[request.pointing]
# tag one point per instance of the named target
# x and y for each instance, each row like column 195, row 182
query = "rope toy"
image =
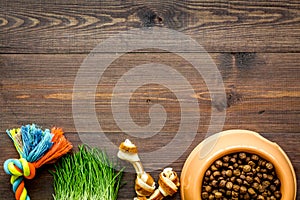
column 36, row 147
column 144, row 184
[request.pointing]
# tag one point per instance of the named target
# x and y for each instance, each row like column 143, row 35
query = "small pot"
column 231, row 141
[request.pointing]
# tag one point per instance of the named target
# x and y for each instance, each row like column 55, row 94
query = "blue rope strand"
column 35, row 142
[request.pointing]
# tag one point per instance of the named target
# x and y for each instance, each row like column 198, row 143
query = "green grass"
column 88, row 174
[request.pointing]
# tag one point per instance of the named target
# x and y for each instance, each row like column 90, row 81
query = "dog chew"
column 144, row 184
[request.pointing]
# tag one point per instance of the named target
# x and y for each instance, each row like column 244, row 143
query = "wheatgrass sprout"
column 88, row 174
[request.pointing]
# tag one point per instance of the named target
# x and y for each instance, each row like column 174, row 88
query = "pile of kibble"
column 241, row 176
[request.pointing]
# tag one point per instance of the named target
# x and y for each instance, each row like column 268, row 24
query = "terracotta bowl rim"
column 282, row 173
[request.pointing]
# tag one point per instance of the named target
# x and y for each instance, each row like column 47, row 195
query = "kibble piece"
column 239, row 181
column 232, row 179
column 216, row 174
column 263, row 170
column 222, row 183
column 246, row 196
column 259, row 175
column 214, row 183
column 262, row 162
column 249, row 179
column 208, row 188
column 250, row 173
column 218, row 195
column 225, row 165
column 242, row 176
column 232, row 160
column 265, row 194
column 261, row 188
column 277, row 194
column 226, row 159
column 204, row 195
column 236, row 172
column 260, row 197
column 254, row 157
column 269, row 166
column 228, row 173
column 251, row 163
column 257, row 169
column 236, row 188
column 243, row 190
column 228, row 193
column 265, row 176
column 270, row 177
column 247, row 159
column 255, row 185
column 208, row 173
column 266, row 183
column 229, row 185
column 211, row 197
column 234, row 194
column 235, row 165
column 257, row 179
column 277, row 182
column 241, row 168
column 247, row 168
column 251, row 191
column 242, row 156
column 218, row 163
column 214, row 168
column 273, row 188
column 223, row 173
column 246, row 183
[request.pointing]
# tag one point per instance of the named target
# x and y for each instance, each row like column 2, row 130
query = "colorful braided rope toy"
column 36, row 148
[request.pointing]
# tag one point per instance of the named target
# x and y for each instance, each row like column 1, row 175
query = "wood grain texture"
column 263, row 94
column 255, row 45
column 78, row 26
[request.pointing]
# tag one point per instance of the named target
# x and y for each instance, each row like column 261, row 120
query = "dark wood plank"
column 263, row 93
column 78, row 26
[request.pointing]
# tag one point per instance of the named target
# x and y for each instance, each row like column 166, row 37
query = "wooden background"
column 255, row 45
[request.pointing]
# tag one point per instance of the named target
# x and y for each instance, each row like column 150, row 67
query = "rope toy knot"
column 19, row 167
column 36, row 147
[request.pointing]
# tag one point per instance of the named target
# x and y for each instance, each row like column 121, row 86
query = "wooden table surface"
column 255, row 45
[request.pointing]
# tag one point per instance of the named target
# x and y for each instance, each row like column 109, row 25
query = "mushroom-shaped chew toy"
column 144, row 183
column 168, row 184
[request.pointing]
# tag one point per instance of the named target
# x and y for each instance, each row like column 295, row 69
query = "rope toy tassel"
column 36, row 147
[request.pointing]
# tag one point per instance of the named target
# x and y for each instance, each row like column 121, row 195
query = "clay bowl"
column 232, row 141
